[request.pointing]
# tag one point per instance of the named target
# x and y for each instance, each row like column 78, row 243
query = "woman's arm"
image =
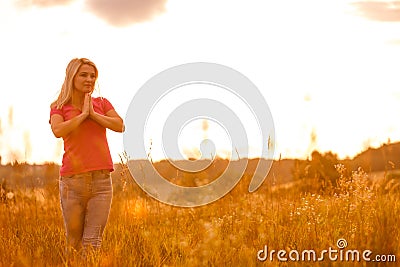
column 111, row 120
column 62, row 128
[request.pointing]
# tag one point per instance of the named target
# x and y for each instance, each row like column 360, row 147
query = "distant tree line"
column 322, row 171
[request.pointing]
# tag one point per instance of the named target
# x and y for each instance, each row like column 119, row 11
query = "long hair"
column 66, row 90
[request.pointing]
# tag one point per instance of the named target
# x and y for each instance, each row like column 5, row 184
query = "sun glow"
column 326, row 69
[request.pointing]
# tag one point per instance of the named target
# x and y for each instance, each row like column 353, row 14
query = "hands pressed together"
column 110, row 120
column 87, row 108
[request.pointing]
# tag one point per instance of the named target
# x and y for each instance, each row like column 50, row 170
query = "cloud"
column 388, row 11
column 115, row 12
column 42, row 3
column 125, row 12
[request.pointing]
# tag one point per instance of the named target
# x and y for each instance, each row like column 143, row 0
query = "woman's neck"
column 77, row 99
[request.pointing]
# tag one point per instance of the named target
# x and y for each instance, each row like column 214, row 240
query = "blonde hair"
column 68, row 85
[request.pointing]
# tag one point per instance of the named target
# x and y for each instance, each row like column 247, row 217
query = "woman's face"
column 85, row 79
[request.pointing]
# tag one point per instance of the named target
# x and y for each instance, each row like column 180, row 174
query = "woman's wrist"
column 93, row 115
column 83, row 116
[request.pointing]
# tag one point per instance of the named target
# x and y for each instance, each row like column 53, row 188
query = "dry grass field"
column 229, row 232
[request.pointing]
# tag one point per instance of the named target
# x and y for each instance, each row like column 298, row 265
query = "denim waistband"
column 105, row 171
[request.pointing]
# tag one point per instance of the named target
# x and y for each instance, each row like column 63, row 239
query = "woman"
column 85, row 181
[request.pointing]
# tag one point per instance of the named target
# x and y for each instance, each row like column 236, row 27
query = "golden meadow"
column 302, row 205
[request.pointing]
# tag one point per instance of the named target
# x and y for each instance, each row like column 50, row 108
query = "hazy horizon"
column 328, row 70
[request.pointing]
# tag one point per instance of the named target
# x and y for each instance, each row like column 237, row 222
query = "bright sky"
column 327, row 68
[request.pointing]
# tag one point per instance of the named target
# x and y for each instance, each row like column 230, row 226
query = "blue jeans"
column 85, row 203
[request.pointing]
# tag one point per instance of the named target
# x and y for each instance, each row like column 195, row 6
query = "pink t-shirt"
column 85, row 148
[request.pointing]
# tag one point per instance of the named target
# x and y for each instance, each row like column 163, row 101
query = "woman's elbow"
column 57, row 133
column 118, row 126
column 121, row 127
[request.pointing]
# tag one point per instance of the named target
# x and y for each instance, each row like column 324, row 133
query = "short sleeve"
column 107, row 106
column 55, row 111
